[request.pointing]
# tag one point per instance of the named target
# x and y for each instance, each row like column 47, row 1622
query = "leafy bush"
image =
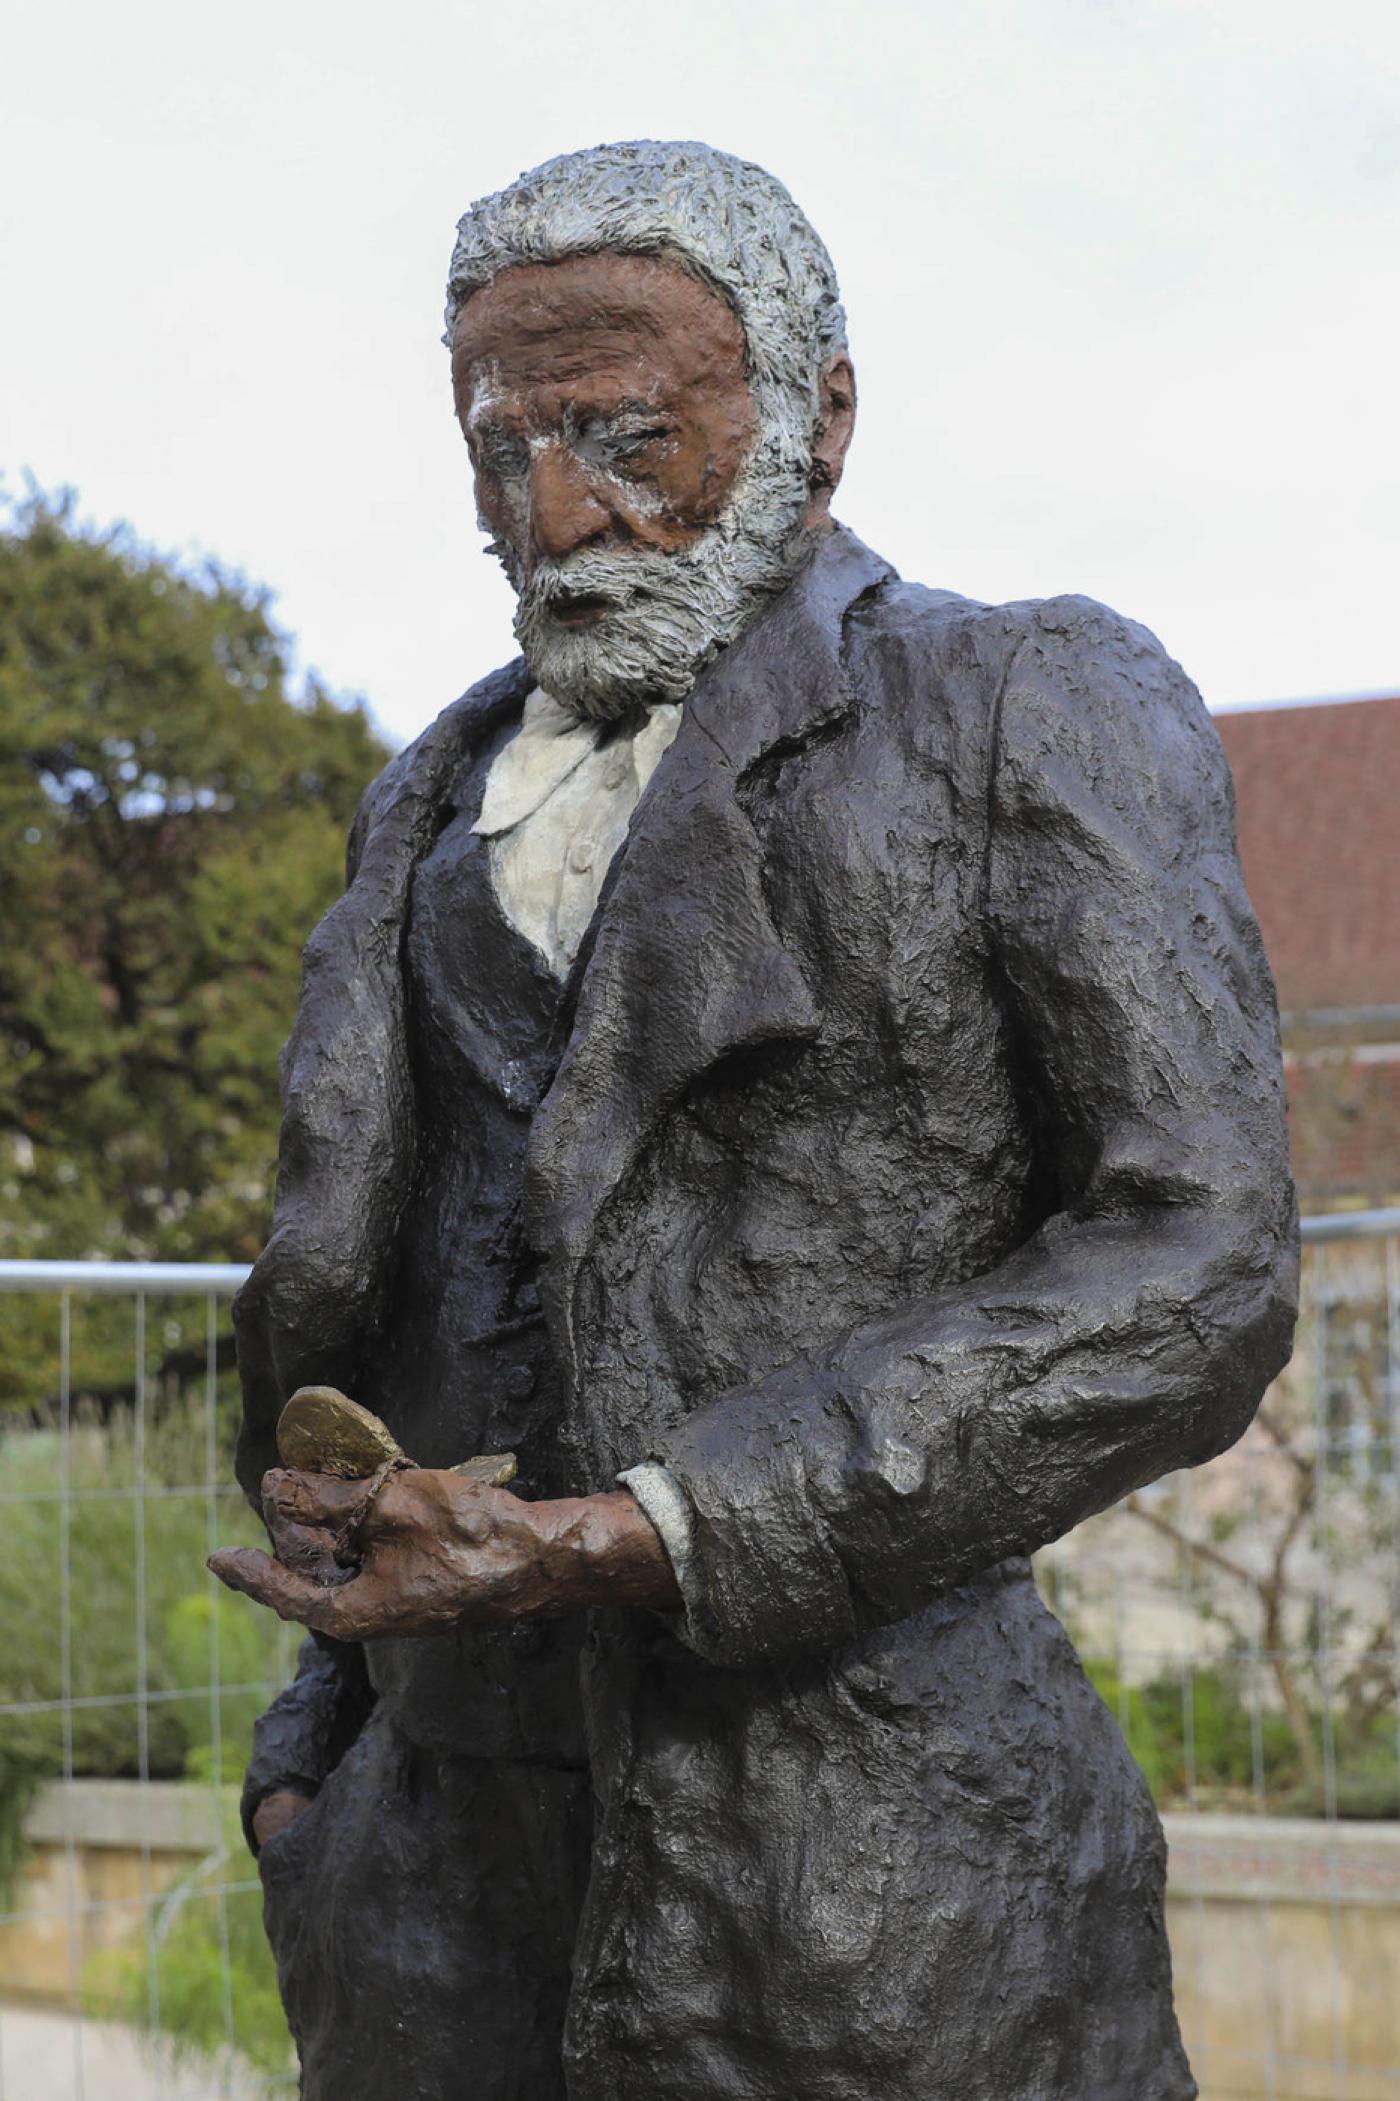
column 138, row 1522
column 1201, row 1737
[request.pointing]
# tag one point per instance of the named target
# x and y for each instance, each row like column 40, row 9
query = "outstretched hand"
column 440, row 1550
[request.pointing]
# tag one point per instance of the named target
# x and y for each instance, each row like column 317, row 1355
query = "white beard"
column 668, row 615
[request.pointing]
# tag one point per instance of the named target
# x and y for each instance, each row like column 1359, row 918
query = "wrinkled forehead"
column 638, row 320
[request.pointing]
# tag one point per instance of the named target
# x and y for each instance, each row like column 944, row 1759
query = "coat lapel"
column 685, row 963
column 319, row 1289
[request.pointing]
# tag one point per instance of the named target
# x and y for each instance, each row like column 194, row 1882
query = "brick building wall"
column 1318, row 793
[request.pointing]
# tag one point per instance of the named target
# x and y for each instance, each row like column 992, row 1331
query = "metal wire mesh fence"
column 1243, row 1621
column 127, row 1690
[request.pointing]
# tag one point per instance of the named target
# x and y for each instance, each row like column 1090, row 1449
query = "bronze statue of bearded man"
column 795, row 1064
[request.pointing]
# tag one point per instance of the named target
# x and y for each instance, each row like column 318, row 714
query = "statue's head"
column 649, row 366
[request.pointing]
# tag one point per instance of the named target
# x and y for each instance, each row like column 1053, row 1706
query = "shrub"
column 146, row 1637
column 1202, row 1737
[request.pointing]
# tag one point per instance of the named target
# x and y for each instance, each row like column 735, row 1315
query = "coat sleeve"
column 1137, row 1329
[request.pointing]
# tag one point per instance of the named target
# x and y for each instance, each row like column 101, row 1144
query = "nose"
column 564, row 511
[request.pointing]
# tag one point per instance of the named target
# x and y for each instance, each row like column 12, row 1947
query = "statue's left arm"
column 1137, row 1329
column 1134, row 1332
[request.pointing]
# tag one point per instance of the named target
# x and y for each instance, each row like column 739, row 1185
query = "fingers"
column 277, row 1812
column 378, row 1508
column 290, row 1596
column 295, row 1498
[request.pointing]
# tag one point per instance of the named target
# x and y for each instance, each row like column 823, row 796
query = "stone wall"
column 99, row 1851
column 1286, row 1944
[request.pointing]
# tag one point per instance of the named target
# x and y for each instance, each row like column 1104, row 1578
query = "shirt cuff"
column 668, row 1506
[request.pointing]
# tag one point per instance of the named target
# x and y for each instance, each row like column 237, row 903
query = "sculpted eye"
column 501, row 453
column 617, row 442
column 628, row 443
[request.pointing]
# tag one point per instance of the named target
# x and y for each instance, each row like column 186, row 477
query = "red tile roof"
column 1319, row 816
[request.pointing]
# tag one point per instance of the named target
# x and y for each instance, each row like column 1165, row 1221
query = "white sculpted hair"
column 735, row 228
column 728, row 221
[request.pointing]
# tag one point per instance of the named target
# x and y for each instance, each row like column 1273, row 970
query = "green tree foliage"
column 172, row 823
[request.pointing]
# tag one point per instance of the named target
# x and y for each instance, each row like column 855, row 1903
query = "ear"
column 836, row 420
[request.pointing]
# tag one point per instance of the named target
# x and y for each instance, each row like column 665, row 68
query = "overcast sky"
column 1122, row 280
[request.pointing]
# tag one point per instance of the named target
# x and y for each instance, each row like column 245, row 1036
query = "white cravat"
column 556, row 808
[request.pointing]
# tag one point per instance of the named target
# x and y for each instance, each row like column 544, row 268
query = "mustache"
column 619, row 624
column 616, row 579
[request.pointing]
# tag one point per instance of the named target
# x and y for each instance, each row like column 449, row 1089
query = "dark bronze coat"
column 913, row 1182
